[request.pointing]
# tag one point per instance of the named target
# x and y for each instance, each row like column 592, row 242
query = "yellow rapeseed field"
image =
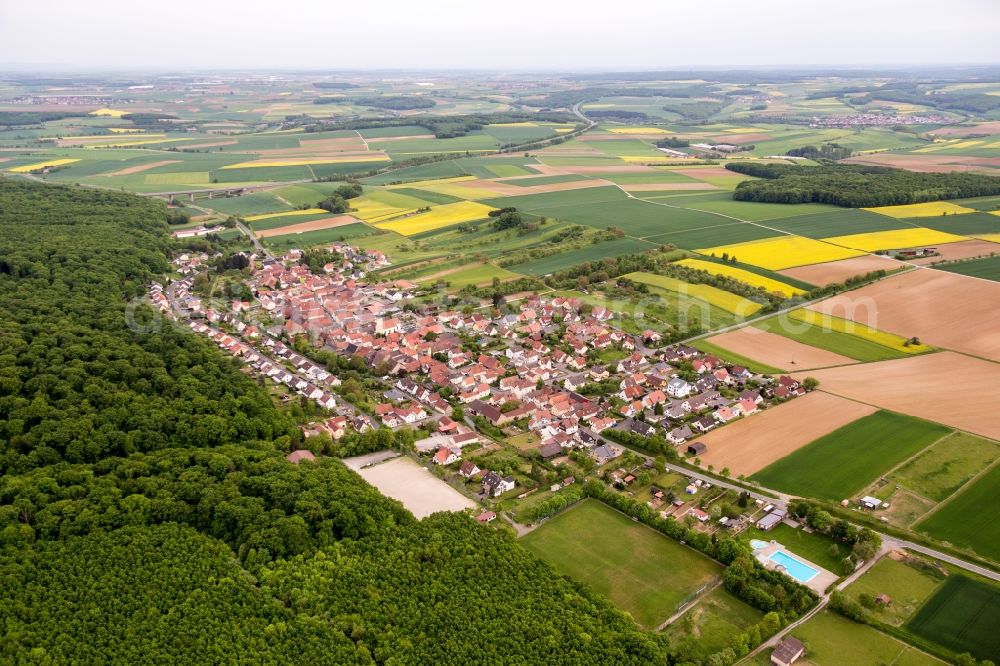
column 928, row 209
column 370, row 210
column 438, row 217
column 721, row 299
column 895, row 239
column 447, row 187
column 783, row 252
column 995, row 238
column 375, row 157
column 287, row 213
column 752, row 279
column 422, row 184
column 831, row 323
column 125, row 141
column 112, row 113
column 41, row 165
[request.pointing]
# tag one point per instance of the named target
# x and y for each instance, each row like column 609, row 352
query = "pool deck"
column 818, row 583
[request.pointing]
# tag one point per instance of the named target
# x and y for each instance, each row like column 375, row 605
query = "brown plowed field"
column 140, row 168
column 314, row 225
column 667, row 187
column 960, row 250
column 777, row 351
column 838, row 271
column 930, row 163
column 954, row 389
column 944, row 309
column 754, row 442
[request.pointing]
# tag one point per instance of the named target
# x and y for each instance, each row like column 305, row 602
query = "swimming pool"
column 757, row 544
column 795, row 568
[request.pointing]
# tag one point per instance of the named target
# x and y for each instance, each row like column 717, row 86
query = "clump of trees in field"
column 854, row 185
column 826, row 151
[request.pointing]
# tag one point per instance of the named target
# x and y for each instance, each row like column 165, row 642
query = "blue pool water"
column 757, row 544
column 797, row 569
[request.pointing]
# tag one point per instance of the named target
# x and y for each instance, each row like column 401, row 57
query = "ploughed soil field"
column 756, row 441
column 314, row 225
column 777, row 351
column 838, row 271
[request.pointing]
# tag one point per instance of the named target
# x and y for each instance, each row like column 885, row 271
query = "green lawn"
column 845, row 461
column 971, row 518
column 833, row 640
column 845, row 344
column 640, row 570
column 712, row 624
column 947, row 466
column 964, row 616
column 988, row 268
column 812, row 546
column 907, row 586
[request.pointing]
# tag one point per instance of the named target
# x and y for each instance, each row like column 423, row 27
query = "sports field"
column 970, row 518
column 843, row 462
column 640, row 570
column 963, row 616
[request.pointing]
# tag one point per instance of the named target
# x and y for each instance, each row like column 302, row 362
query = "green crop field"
column 712, row 624
column 833, row 640
column 845, row 344
column 284, row 221
column 906, row 585
column 838, row 222
column 970, row 518
column 988, row 269
column 248, row 204
column 845, row 461
column 310, row 238
column 946, row 466
column 639, row 569
column 481, row 274
column 754, row 366
column 963, row 616
column 966, row 224
column 563, row 260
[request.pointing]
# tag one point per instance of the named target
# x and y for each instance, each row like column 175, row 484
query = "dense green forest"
column 854, row 185
column 147, row 513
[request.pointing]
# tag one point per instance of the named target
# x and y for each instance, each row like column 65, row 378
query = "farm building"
column 870, row 502
column 788, row 652
column 696, row 448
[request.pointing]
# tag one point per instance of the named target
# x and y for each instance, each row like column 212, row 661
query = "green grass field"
column 907, row 586
column 845, row 344
column 712, row 624
column 837, row 222
column 965, row 224
column 988, row 269
column 947, row 465
column 563, row 260
column 752, row 365
column 845, row 461
column 963, row 616
column 640, row 570
column 833, row 640
column 310, row 238
column 970, row 518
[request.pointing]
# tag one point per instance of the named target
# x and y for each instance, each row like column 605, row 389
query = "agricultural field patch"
column 737, row 305
column 906, row 585
column 752, row 279
column 712, row 624
column 754, row 442
column 837, row 222
column 437, row 218
column 963, row 615
column 987, row 268
column 828, row 637
column 840, row 464
column 775, row 351
column 783, row 252
column 324, row 223
column 968, row 224
column 969, row 518
column 890, row 240
column 836, row 324
column 563, row 260
column 643, row 572
column 285, row 242
column 928, row 209
column 45, row 164
column 948, row 465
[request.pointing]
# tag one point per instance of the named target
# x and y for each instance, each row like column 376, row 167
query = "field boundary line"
column 965, row 486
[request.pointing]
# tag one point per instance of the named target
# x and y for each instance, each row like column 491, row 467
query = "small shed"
column 788, row 652
column 696, row 448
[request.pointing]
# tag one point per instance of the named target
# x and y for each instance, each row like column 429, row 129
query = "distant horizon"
column 521, row 36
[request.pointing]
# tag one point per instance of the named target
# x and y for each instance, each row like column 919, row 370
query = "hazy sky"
column 502, row 34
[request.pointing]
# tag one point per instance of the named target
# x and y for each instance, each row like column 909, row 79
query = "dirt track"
column 758, row 440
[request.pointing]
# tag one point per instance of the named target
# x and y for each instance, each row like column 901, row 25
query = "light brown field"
column 758, row 440
column 509, row 190
column 140, row 168
column 838, row 271
column 667, row 187
column 318, row 148
column 610, row 168
column 702, row 172
column 992, row 127
column 383, row 139
column 777, row 351
column 953, row 389
column 960, row 250
column 741, row 138
column 930, row 163
column 943, row 309
column 314, row 225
